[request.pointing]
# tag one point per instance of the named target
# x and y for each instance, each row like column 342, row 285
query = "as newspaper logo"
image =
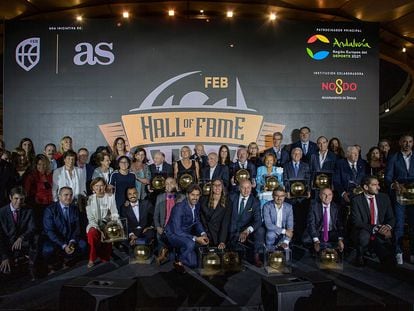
column 28, row 53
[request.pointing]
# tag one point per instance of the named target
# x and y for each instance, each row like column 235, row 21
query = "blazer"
column 343, row 177
column 57, row 229
column 8, row 179
column 312, row 148
column 327, row 166
column 216, row 221
column 167, row 170
column 250, row 216
column 315, row 220
column 160, row 211
column 59, row 181
column 94, row 218
column 282, row 160
column 181, row 223
column 135, row 225
column 262, row 174
column 202, row 160
column 9, row 231
column 396, row 170
column 98, row 173
column 270, row 217
column 361, row 216
column 221, row 172
column 289, row 174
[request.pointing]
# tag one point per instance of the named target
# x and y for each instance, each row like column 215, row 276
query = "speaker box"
column 285, row 293
column 98, row 294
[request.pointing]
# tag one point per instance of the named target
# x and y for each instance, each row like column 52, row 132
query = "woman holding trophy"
column 268, row 178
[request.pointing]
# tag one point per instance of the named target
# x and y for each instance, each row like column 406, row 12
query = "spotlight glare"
column 79, row 18
column 404, row 50
column 171, row 12
column 125, row 14
column 387, row 110
column 272, row 16
column 230, row 14
column 201, row 11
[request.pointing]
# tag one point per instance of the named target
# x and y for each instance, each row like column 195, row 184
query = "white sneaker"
column 399, row 258
column 412, row 258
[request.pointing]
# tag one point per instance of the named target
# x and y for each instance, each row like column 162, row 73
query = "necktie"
column 372, row 210
column 325, row 224
column 66, row 213
column 242, row 165
column 296, row 169
column 158, row 169
column 15, row 217
column 241, row 207
column 354, row 171
column 305, row 149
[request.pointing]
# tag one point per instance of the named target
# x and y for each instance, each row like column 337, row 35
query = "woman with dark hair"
column 376, row 165
column 119, row 148
column 104, row 169
column 335, row 146
column 121, row 180
column 101, row 207
column 27, row 145
column 38, row 187
column 215, row 214
column 20, row 163
column 141, row 170
column 186, row 166
column 224, row 155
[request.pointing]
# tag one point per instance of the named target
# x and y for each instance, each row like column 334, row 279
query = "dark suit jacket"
column 361, row 216
column 181, row 224
column 289, row 173
column 57, row 229
column 327, row 166
column 312, row 148
column 396, row 170
column 284, row 156
column 343, row 176
column 166, row 171
column 9, row 231
column 234, row 167
column 8, row 179
column 202, row 161
column 161, row 208
column 221, row 172
column 135, row 225
column 250, row 216
column 216, row 221
column 315, row 221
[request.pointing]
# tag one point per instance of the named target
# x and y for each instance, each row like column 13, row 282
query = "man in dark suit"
column 199, row 155
column 241, row 163
column 246, row 219
column 298, row 170
column 373, row 220
column 215, row 170
column 8, row 178
column 348, row 175
column 399, row 172
column 158, row 168
column 325, row 226
column 17, row 231
column 184, row 229
column 280, row 153
column 163, row 208
column 308, row 147
column 139, row 218
column 62, row 228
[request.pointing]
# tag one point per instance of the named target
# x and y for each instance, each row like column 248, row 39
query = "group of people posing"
column 56, row 205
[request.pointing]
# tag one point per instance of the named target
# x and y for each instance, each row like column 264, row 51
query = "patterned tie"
column 296, row 166
column 241, row 207
column 372, row 210
column 325, row 224
column 354, row 171
column 15, row 216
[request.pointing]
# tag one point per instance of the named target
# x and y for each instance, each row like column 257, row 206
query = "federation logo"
column 320, row 54
column 28, row 53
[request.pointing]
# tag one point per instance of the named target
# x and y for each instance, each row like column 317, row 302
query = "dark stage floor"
column 162, row 288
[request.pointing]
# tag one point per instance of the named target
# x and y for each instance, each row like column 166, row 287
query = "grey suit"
column 274, row 233
column 161, row 208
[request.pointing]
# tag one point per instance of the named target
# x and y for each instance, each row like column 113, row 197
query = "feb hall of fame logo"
column 192, row 118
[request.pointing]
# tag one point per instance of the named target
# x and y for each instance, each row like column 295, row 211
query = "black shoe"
column 359, row 261
column 257, row 262
column 179, row 267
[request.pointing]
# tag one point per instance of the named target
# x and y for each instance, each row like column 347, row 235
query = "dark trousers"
column 257, row 238
column 382, row 247
column 50, row 250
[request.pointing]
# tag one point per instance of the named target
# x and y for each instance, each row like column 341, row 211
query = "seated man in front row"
column 184, row 229
column 246, row 219
column 16, row 232
column 373, row 220
column 325, row 225
column 62, row 228
column 278, row 220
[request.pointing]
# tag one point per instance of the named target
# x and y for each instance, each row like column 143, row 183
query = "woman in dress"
column 215, row 214
column 186, row 166
column 100, row 209
column 265, row 171
column 142, row 172
column 104, row 169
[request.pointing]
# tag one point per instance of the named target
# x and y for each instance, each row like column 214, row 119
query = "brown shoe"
column 257, row 262
column 162, row 257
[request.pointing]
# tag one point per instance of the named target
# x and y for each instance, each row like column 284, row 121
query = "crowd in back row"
column 237, row 207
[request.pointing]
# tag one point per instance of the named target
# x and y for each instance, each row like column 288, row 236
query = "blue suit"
column 221, row 172
column 281, row 158
column 344, row 180
column 181, row 229
column 396, row 170
column 249, row 217
column 328, row 166
column 59, row 232
column 312, row 149
column 235, row 167
column 274, row 233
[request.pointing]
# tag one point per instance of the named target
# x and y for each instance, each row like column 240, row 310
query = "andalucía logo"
column 319, row 55
column 191, row 118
